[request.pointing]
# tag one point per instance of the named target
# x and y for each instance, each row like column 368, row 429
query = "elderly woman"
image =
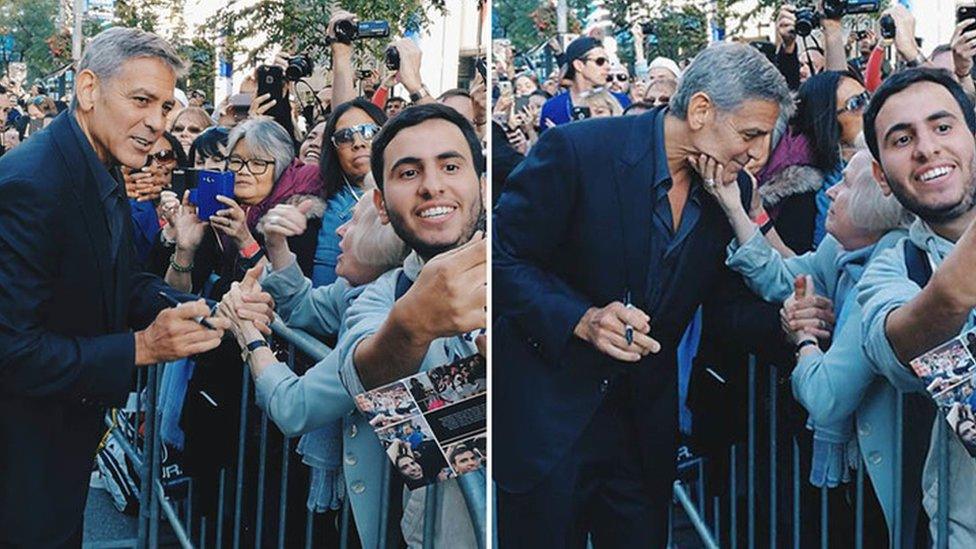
column 262, row 157
column 839, row 383
column 188, row 124
column 343, row 165
column 317, row 402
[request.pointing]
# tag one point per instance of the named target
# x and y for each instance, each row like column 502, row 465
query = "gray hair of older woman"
column 731, row 74
column 111, row 48
column 867, row 205
column 375, row 244
column 266, row 138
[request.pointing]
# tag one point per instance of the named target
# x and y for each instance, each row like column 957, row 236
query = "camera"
column 806, row 21
column 835, row 9
column 299, row 67
column 392, row 58
column 346, row 31
column 887, row 24
column 580, row 113
column 647, row 28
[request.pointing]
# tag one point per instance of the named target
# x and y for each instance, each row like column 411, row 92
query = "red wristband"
column 250, row 250
column 761, row 219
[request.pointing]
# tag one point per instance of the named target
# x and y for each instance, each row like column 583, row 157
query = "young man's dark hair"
column 418, row 114
column 457, row 451
column 394, row 99
column 901, row 80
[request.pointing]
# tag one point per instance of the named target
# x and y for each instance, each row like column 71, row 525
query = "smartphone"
column 482, row 68
column 271, row 81
column 183, row 179
column 505, row 87
column 521, row 102
column 209, row 185
column 964, row 13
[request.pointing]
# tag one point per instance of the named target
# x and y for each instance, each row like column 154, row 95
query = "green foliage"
column 528, row 23
column 31, row 22
column 140, row 14
column 201, row 61
column 300, row 25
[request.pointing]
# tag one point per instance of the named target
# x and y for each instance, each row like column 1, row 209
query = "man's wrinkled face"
column 927, row 152
column 431, row 190
column 736, row 137
column 126, row 114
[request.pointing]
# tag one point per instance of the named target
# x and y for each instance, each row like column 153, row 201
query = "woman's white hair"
column 264, row 137
column 868, row 207
column 375, row 244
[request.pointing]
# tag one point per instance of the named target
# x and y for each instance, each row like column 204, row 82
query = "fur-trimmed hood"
column 790, row 181
column 317, row 211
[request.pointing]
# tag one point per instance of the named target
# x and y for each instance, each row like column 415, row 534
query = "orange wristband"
column 250, row 250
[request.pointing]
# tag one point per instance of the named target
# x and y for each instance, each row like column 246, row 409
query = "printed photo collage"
column 949, row 373
column 433, row 424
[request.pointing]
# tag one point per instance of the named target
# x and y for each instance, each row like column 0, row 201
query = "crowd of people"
column 809, row 203
column 359, row 220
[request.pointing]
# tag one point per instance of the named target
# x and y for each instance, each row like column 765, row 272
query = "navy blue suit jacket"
column 559, row 248
column 66, row 309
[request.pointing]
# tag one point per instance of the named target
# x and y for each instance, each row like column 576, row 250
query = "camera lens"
column 299, row 67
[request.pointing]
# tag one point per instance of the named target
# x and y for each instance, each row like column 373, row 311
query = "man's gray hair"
column 266, row 138
column 731, row 74
column 111, row 48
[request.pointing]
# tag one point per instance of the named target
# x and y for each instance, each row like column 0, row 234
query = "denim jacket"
column 884, row 287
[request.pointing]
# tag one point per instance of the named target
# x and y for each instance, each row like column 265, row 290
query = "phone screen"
column 964, row 13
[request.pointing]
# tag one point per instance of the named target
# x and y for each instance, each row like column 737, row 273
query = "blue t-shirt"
column 559, row 109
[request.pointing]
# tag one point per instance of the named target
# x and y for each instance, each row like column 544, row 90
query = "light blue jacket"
column 884, row 287
column 842, row 382
column 298, row 404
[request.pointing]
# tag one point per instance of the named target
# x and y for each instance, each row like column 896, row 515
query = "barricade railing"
column 156, row 507
column 721, row 522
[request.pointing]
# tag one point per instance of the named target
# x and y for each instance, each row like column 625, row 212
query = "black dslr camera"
column 346, row 31
column 299, row 67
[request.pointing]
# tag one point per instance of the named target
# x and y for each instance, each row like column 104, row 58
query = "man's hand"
column 715, row 178
column 175, row 334
column 339, row 47
column 963, row 49
column 144, row 185
column 410, row 57
column 786, row 27
column 450, row 295
column 260, row 105
column 904, row 31
column 806, row 315
column 281, row 222
column 606, row 329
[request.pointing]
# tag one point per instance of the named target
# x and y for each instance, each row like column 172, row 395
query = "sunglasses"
column 191, row 129
column 618, row 77
column 600, row 61
column 163, row 157
column 347, row 136
column 856, row 103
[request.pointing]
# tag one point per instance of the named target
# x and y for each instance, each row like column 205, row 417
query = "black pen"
column 629, row 330
column 175, row 302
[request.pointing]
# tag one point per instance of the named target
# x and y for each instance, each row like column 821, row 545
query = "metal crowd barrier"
column 155, row 505
column 722, row 517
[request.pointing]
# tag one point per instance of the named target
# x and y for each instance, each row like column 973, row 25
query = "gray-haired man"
column 604, row 245
column 69, row 291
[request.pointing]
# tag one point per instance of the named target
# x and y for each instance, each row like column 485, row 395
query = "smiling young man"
column 70, row 294
column 604, row 230
column 919, row 127
column 428, row 165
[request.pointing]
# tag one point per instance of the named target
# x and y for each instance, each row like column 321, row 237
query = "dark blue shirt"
column 666, row 243
column 559, row 109
column 108, row 187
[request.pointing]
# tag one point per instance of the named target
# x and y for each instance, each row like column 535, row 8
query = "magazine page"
column 949, row 373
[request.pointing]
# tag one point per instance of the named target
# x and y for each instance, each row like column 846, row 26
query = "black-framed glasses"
column 619, row 77
column 347, row 136
column 163, row 157
column 856, row 103
column 257, row 166
column 600, row 61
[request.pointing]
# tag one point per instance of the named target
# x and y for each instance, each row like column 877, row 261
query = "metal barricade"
column 723, row 525
column 156, row 508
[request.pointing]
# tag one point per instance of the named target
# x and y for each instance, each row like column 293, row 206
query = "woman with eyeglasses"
column 188, row 124
column 343, row 165
column 809, row 158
